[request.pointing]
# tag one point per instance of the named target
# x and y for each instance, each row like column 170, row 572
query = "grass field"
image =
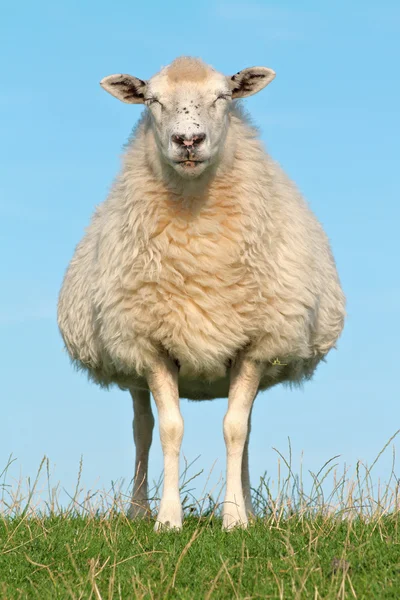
column 345, row 544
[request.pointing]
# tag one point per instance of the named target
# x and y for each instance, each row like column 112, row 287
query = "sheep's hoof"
column 138, row 510
column 166, row 526
column 169, row 517
column 234, row 513
column 229, row 523
column 250, row 512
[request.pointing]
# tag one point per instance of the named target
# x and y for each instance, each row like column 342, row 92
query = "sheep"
column 203, row 275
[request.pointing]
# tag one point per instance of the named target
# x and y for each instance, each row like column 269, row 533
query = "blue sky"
column 331, row 118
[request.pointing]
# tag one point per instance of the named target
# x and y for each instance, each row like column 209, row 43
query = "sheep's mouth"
column 189, row 163
column 190, row 168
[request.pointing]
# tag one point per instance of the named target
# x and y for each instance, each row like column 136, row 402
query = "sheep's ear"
column 125, row 87
column 250, row 81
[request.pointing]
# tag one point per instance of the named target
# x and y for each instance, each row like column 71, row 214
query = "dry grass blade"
column 214, row 583
column 229, row 577
column 194, row 537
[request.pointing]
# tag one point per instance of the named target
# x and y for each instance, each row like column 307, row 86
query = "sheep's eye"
column 223, row 97
column 150, row 101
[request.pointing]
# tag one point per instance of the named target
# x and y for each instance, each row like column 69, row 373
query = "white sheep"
column 203, row 275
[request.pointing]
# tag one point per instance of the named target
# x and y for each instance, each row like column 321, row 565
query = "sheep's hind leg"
column 143, row 423
column 163, row 383
column 245, row 379
column 246, row 475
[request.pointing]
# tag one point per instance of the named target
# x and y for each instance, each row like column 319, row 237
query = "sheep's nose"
column 189, row 141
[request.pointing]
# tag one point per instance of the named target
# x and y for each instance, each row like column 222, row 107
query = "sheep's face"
column 189, row 104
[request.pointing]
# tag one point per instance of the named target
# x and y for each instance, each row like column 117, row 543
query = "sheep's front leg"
column 246, row 475
column 163, row 383
column 143, row 423
column 245, row 379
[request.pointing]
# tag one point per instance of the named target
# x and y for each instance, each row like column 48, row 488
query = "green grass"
column 89, row 557
column 342, row 544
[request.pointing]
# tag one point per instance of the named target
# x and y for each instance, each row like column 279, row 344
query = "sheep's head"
column 189, row 104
